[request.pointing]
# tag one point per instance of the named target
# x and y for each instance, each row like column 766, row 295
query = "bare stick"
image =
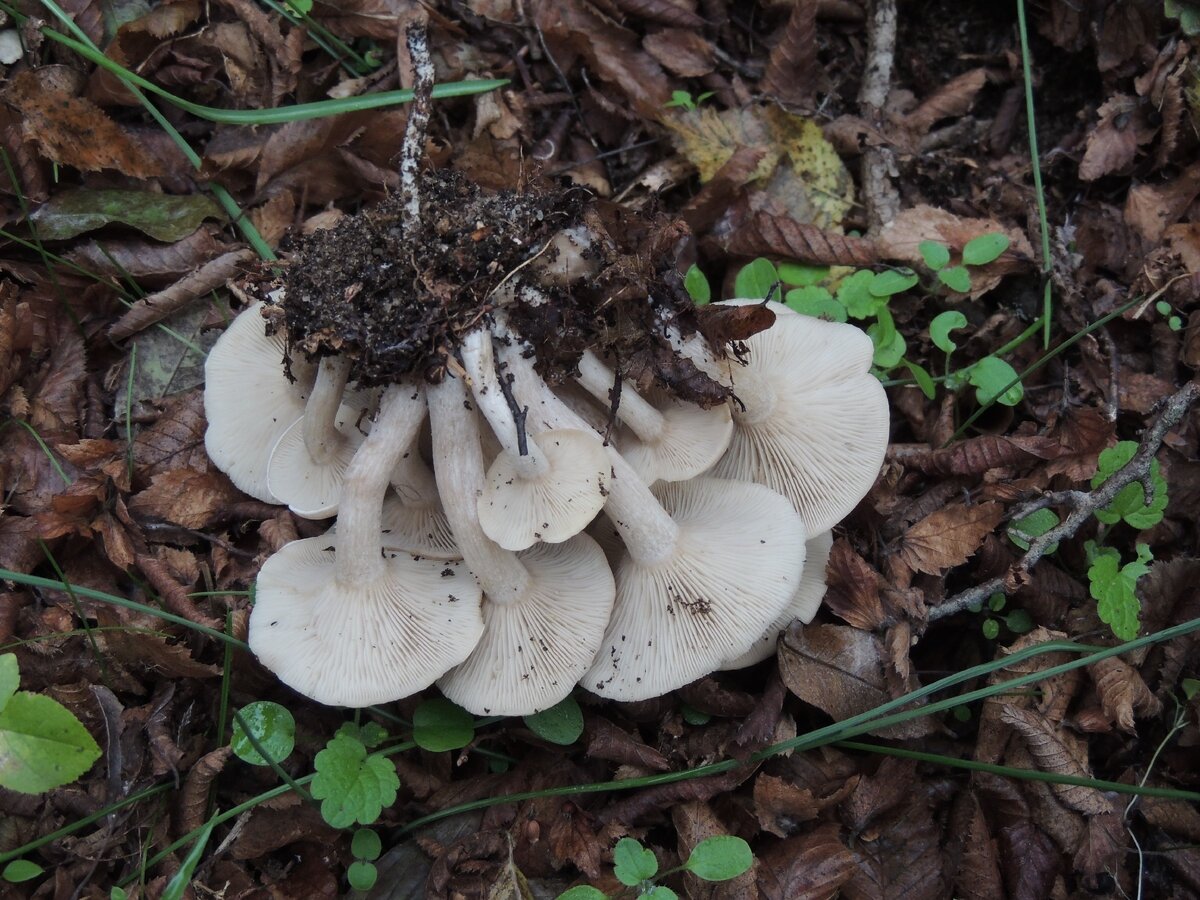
column 878, row 163
column 1083, row 505
column 413, row 150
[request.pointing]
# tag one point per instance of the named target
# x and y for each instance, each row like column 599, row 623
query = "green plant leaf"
column 366, row 844
column 117, row 893
column 1022, row 531
column 583, row 892
column 659, row 892
column 936, row 255
column 720, row 858
column 10, row 677
column 182, row 879
column 1191, row 687
column 854, row 293
column 370, row 734
column 985, row 249
column 991, row 376
column 21, row 870
column 956, row 278
column 693, row 716
column 890, row 345
column 272, row 726
column 755, row 280
column 362, row 875
column 922, row 378
column 991, row 629
column 352, row 786
column 801, row 275
column 1113, row 587
column 164, row 217
column 560, row 724
column 42, row 744
column 1019, row 621
column 304, row 7
column 997, row 601
column 633, row 863
column 941, row 326
column 1163, row 307
column 440, row 725
column 1130, row 503
column 816, row 302
column 696, row 284
column 891, row 282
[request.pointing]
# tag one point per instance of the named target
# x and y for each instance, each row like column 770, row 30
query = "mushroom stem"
column 599, row 380
column 401, row 412
column 320, row 413
column 647, row 530
column 459, row 470
column 413, row 482
column 493, row 401
column 756, row 397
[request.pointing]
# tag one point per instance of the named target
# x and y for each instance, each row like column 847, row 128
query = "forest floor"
column 822, row 137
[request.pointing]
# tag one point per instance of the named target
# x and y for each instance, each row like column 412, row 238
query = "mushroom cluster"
column 548, row 467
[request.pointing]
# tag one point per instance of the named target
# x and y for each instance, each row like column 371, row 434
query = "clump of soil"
column 398, row 300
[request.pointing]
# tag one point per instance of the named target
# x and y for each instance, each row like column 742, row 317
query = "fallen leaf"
column 162, row 216
column 75, row 132
column 681, row 51
column 1122, row 692
column 782, row 806
column 1113, row 143
column 840, row 670
column 948, row 537
column 185, row 497
column 902, row 860
column 853, row 592
column 606, row 741
column 1047, row 744
column 978, row 876
column 953, row 99
column 808, row 867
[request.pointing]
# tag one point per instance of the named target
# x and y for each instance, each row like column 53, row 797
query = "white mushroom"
column 815, row 420
column 804, row 605
column 545, row 609
column 709, row 565
column 344, row 622
column 249, row 401
column 673, row 443
column 545, row 489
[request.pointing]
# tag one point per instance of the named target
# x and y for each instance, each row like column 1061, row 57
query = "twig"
column 519, row 413
column 413, row 150
column 880, row 195
column 1083, row 506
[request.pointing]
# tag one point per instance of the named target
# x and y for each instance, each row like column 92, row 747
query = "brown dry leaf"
column 1150, row 208
column 572, row 838
column 75, row 132
column 379, row 19
column 876, row 795
column 978, row 876
column 151, row 263
column 680, row 13
column 1113, row 143
column 1030, row 861
column 840, row 670
column 902, row 860
column 899, row 240
column 810, row 867
column 1049, row 747
column 607, row 741
column 1103, row 847
column 792, row 72
column 138, row 649
column 726, row 324
column 272, row 829
column 681, row 51
column 953, row 99
column 781, row 806
column 192, row 806
column 1176, row 817
column 1122, row 692
column 948, row 537
column 610, row 50
column 976, row 455
column 765, row 234
column 175, row 440
column 185, row 497
column 695, row 822
column 853, row 592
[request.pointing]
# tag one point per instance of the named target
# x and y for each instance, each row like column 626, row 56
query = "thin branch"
column 1083, row 505
column 413, row 150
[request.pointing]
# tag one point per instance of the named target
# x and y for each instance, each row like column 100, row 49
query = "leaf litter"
column 109, row 214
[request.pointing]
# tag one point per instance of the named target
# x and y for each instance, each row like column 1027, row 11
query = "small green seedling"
column 718, row 858
column 353, row 784
column 685, row 100
column 1018, row 621
column 1130, row 504
column 1113, row 587
column 271, row 725
column 1174, row 322
column 1022, row 531
column 561, row 724
column 366, row 847
column 440, row 725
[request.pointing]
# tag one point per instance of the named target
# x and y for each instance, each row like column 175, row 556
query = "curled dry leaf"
column 948, row 537
column 666, row 12
column 185, row 497
column 75, row 132
column 840, row 671
column 791, row 73
column 269, row 830
column 854, row 588
column 782, row 806
column 1122, row 692
column 976, row 455
column 808, row 867
column 1048, row 746
column 681, row 51
column 607, row 741
column 953, row 99
column 191, row 809
column 765, row 234
column 1113, row 143
column 978, row 876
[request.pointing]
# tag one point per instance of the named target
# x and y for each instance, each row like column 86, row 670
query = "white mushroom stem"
column 320, row 413
column 458, row 465
column 599, row 380
column 360, row 524
column 480, row 364
column 647, row 530
column 757, row 396
column 413, row 481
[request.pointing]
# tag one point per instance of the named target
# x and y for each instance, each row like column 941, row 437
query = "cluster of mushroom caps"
column 530, row 538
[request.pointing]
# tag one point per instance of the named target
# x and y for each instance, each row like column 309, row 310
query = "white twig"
column 413, row 150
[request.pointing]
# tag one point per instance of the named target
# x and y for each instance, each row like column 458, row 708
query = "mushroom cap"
column 805, row 602
column 815, row 427
column 535, row 649
column 313, row 489
column 417, row 528
column 360, row 643
column 693, row 439
column 735, row 568
column 249, row 401
column 517, row 512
